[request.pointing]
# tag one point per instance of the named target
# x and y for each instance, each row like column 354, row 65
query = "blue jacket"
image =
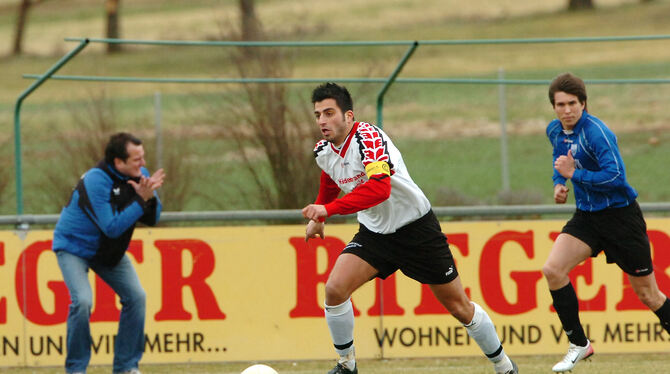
column 599, row 181
column 81, row 233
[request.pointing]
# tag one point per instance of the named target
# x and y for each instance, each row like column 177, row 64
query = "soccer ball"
column 259, row 369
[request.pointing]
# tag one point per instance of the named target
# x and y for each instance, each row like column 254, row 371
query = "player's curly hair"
column 570, row 84
column 330, row 90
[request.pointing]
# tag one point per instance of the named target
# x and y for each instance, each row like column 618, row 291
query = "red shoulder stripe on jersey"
column 343, row 151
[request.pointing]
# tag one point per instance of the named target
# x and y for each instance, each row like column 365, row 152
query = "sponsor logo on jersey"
column 355, row 178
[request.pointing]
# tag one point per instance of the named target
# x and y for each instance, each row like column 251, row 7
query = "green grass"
column 461, row 151
column 600, row 364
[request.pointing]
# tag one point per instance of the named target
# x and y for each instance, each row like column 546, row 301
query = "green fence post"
column 17, row 120
column 391, row 79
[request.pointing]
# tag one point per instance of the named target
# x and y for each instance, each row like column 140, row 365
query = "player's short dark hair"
column 117, row 147
column 336, row 92
column 570, row 84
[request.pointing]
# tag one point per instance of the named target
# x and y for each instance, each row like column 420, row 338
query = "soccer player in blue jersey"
column 608, row 217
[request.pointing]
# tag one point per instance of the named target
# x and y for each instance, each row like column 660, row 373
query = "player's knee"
column 81, row 305
column 550, row 272
column 336, row 293
column 649, row 298
column 460, row 309
column 462, row 312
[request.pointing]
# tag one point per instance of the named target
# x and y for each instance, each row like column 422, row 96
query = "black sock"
column 567, row 307
column 663, row 314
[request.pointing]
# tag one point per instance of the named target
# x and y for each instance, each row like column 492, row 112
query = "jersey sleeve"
column 98, row 188
column 557, row 177
column 552, row 134
column 376, row 190
column 328, row 190
column 611, row 173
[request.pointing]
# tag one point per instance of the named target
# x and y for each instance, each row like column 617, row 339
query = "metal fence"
column 387, row 82
column 460, row 212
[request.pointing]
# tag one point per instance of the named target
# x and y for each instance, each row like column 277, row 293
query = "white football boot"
column 574, row 355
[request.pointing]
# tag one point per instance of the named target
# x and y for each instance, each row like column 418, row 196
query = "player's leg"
column 629, row 248
column 78, row 339
column 348, row 274
column 476, row 321
column 129, row 344
column 647, row 291
column 566, row 253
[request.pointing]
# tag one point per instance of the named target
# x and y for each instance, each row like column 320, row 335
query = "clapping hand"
column 146, row 187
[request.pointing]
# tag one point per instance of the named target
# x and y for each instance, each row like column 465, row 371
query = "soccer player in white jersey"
column 398, row 229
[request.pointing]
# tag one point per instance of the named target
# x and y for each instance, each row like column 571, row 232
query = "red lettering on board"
column 308, row 277
column 26, row 284
column 386, row 293
column 490, row 278
column 173, row 281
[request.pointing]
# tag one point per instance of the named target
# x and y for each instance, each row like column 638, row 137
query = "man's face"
column 568, row 109
column 334, row 124
column 132, row 165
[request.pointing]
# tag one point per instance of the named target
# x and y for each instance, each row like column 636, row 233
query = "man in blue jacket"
column 94, row 231
column 608, row 217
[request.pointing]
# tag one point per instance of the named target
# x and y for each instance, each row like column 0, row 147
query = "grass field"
column 600, row 364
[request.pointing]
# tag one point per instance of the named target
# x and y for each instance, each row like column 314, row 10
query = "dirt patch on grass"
column 459, row 128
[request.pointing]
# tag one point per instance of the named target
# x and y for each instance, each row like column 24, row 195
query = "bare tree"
column 113, row 29
column 21, row 19
column 93, row 123
column 580, row 4
column 249, row 22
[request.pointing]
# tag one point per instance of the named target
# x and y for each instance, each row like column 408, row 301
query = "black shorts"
column 419, row 249
column 620, row 232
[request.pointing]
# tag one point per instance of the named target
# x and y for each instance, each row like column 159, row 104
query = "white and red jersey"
column 384, row 200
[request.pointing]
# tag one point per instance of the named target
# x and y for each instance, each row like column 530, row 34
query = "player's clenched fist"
column 560, row 194
column 314, row 212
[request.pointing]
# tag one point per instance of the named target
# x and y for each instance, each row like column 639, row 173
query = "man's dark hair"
column 117, row 147
column 336, row 92
column 570, row 84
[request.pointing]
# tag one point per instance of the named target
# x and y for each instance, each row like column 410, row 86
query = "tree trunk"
column 112, row 10
column 21, row 18
column 250, row 24
column 580, row 4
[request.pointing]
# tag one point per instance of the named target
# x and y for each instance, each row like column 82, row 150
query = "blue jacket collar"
column 112, row 171
column 581, row 123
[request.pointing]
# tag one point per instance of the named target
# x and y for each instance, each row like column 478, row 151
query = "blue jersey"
column 81, row 233
column 599, row 181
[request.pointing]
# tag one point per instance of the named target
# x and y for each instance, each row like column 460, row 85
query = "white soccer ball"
column 259, row 369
